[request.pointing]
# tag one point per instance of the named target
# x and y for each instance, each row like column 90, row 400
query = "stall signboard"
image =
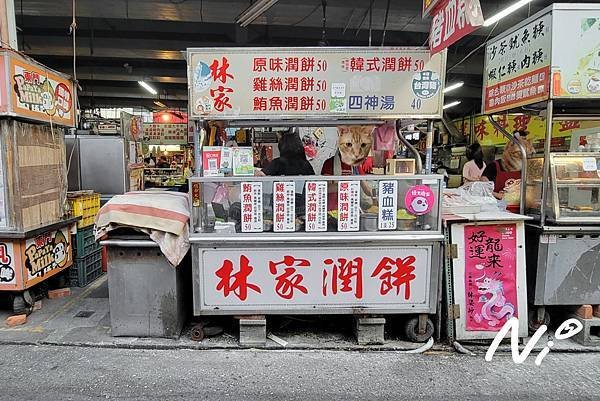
column 348, row 205
column 334, row 82
column 252, row 207
column 47, row 254
column 487, row 135
column 165, row 134
column 306, row 278
column 8, row 270
column 284, row 206
column 517, row 66
column 490, row 276
column 132, row 127
column 388, row 204
column 453, row 20
column 316, row 206
column 429, row 5
column 37, row 92
column 576, row 53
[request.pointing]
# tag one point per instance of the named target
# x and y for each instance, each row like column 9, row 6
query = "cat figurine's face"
column 354, row 143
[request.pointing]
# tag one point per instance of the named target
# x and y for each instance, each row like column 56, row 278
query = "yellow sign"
column 486, row 134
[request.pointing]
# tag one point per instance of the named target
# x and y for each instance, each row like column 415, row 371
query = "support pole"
column 429, row 148
column 547, row 142
column 415, row 152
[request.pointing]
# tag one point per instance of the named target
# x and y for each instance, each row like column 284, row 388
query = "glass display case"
column 573, row 188
column 384, row 204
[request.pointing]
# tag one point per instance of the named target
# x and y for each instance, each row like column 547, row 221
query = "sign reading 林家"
column 517, row 67
column 453, row 20
column 250, row 83
column 339, row 277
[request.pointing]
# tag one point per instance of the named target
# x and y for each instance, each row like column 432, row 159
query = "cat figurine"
column 352, row 157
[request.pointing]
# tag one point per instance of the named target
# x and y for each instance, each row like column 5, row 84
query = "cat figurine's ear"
column 342, row 129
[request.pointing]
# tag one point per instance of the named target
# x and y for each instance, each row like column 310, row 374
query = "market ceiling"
column 120, row 42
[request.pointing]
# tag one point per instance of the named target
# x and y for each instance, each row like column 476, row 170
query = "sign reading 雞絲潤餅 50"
column 517, row 67
column 384, row 82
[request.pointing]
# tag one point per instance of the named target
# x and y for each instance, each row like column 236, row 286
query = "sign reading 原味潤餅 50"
column 554, row 54
column 334, row 82
column 34, row 92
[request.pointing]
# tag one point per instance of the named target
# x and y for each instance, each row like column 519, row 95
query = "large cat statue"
column 352, row 156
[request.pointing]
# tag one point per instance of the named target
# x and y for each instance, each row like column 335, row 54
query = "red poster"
column 490, row 276
column 453, row 20
column 521, row 90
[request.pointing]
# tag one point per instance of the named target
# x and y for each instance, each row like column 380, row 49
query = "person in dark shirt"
column 292, row 158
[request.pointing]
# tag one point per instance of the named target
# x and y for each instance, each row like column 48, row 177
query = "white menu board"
column 252, row 207
column 388, row 204
column 316, row 206
column 284, row 206
column 348, row 205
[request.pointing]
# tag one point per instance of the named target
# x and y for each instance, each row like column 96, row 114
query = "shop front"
column 344, row 239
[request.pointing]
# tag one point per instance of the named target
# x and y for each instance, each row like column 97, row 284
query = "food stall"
column 35, row 236
column 171, row 141
column 365, row 245
column 534, row 68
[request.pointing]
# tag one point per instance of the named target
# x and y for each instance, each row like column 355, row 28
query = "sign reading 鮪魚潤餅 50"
column 517, row 66
column 378, row 82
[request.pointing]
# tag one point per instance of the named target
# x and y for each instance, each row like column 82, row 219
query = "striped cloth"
column 164, row 216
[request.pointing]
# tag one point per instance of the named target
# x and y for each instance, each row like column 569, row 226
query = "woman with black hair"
column 473, row 169
column 292, row 158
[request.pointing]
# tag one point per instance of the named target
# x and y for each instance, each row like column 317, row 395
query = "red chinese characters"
column 395, row 273
column 220, row 95
column 289, row 280
column 236, row 283
column 345, row 275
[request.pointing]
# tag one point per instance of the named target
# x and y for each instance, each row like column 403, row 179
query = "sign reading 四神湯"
column 382, row 82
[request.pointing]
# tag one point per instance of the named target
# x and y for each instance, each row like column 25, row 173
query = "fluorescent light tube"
column 508, row 10
column 452, row 104
column 147, row 87
column 453, row 86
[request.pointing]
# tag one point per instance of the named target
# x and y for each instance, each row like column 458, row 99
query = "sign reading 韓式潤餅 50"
column 517, row 66
column 378, row 82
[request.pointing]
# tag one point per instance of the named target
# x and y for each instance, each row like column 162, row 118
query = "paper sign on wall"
column 388, row 204
column 348, row 205
column 252, row 207
column 284, row 207
column 243, row 161
column 316, row 206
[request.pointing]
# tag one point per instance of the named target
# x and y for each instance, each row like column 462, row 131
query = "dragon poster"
column 490, row 276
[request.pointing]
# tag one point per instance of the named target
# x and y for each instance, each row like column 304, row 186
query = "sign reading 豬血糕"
column 165, row 134
column 308, row 277
column 284, row 206
column 39, row 94
column 453, row 20
column 388, row 204
column 243, row 83
column 517, row 67
column 47, row 252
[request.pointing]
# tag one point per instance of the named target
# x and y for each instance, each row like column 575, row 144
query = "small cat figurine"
column 354, row 146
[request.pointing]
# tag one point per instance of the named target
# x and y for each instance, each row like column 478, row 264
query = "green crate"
column 84, row 242
column 86, row 269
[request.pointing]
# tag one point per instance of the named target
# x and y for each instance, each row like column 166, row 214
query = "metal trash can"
column 146, row 293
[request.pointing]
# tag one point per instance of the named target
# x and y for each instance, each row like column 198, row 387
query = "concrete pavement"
column 80, row 373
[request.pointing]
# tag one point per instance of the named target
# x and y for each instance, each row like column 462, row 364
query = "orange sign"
column 39, row 94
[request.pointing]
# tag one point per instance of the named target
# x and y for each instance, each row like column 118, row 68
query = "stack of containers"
column 87, row 265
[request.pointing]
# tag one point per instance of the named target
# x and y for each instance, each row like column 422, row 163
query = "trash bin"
column 146, row 293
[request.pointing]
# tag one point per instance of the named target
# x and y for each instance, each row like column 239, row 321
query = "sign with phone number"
column 250, row 83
